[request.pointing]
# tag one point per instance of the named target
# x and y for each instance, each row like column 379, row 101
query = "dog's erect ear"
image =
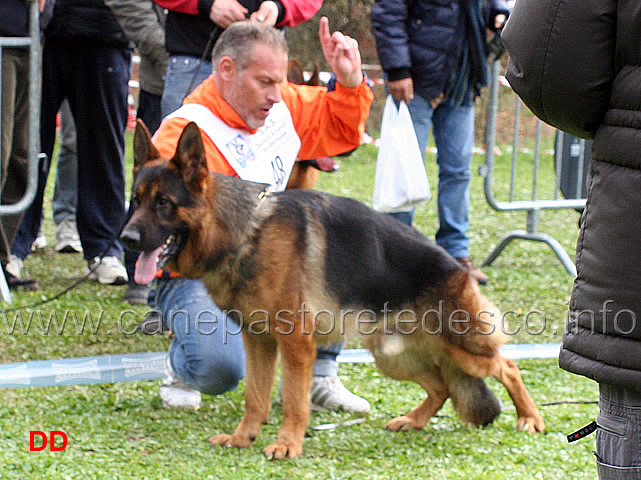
column 295, row 73
column 314, row 80
column 144, row 150
column 190, row 159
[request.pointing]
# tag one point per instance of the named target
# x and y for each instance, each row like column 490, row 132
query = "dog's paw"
column 531, row 423
column 402, row 424
column 278, row 450
column 236, row 441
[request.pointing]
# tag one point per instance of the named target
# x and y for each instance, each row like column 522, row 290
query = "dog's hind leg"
column 297, row 358
column 437, row 393
column 261, row 356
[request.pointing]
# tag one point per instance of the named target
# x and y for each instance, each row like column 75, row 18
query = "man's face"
column 254, row 91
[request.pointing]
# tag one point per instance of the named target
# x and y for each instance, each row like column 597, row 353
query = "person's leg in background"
column 65, row 192
column 149, row 112
column 53, row 92
column 14, row 129
column 454, row 137
column 100, row 139
column 453, row 128
column 328, row 392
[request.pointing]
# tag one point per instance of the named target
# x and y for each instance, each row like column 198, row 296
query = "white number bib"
column 267, row 156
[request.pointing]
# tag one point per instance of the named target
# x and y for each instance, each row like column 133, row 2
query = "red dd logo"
column 43, row 441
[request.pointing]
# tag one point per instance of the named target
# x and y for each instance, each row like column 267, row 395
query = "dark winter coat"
column 14, row 17
column 577, row 65
column 421, row 38
column 86, row 22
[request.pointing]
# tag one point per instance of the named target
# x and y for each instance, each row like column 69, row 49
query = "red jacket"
column 296, row 11
column 189, row 28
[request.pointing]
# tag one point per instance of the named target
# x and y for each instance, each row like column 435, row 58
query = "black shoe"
column 16, row 283
column 474, row 271
column 153, row 324
column 136, row 294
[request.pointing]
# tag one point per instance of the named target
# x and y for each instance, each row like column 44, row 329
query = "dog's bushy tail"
column 473, row 400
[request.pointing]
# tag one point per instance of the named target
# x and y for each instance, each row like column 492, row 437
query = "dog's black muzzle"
column 131, row 239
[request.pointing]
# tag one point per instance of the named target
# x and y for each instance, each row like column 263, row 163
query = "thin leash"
column 202, row 58
column 73, row 285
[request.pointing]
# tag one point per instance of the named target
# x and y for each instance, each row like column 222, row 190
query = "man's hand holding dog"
column 342, row 54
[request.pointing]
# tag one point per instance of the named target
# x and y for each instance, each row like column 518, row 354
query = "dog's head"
column 165, row 192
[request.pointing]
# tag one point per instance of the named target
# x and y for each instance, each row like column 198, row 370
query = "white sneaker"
column 14, row 267
column 108, row 271
column 175, row 393
column 329, row 393
column 67, row 238
column 40, row 242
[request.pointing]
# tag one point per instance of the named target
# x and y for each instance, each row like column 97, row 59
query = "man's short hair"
column 239, row 39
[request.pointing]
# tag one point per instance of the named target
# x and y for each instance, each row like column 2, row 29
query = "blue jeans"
column 65, row 193
column 184, row 73
column 207, row 351
column 453, row 129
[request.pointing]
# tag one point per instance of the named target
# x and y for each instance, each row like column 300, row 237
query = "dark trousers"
column 14, row 143
column 149, row 112
column 95, row 81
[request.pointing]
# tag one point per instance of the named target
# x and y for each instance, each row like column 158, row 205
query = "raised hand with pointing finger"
column 342, row 54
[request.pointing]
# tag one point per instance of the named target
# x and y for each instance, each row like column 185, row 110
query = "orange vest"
column 327, row 123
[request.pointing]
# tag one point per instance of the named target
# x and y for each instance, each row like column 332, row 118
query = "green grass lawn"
column 121, row 431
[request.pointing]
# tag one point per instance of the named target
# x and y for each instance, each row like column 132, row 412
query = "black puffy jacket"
column 577, row 65
column 86, row 22
column 14, row 17
column 421, row 38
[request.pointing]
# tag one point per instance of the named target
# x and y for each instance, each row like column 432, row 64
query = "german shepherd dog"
column 304, row 268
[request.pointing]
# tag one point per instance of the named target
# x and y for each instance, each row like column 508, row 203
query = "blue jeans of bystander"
column 184, row 73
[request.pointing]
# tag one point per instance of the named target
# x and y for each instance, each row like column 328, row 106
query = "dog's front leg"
column 297, row 358
column 418, row 418
column 529, row 417
column 261, row 357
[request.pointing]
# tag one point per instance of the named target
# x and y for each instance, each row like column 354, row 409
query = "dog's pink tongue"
column 146, row 266
column 326, row 164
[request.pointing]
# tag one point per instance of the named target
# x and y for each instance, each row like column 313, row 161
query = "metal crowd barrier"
column 33, row 44
column 535, row 204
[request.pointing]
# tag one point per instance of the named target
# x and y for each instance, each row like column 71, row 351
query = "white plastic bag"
column 401, row 181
